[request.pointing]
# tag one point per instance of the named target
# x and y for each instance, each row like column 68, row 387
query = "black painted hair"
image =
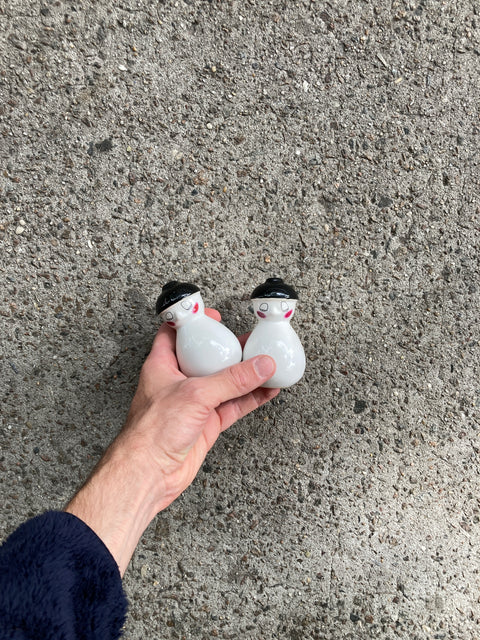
column 173, row 292
column 274, row 288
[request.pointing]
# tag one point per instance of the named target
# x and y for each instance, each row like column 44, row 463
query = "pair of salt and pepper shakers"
column 205, row 346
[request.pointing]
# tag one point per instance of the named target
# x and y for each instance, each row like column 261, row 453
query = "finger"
column 233, row 410
column 213, row 313
column 236, row 381
column 164, row 343
column 161, row 362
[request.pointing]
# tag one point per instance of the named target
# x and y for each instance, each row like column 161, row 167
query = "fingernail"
column 264, row 366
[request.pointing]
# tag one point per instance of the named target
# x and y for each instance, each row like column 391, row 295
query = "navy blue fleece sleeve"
column 58, row 581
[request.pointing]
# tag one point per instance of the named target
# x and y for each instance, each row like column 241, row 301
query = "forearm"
column 168, row 433
column 118, row 501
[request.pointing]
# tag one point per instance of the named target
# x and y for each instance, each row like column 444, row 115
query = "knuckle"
column 194, row 390
column 148, row 369
column 239, row 377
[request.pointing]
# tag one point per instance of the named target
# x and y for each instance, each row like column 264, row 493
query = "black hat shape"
column 173, row 292
column 274, row 288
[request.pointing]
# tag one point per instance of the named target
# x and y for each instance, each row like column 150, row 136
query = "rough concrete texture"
column 334, row 144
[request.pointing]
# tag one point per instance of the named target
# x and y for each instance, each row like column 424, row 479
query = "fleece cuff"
column 58, row 581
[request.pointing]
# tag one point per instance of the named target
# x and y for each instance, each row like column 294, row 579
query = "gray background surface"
column 334, row 144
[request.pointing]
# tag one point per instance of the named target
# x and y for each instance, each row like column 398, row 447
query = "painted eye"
column 169, row 315
column 263, row 306
column 284, row 306
column 186, row 304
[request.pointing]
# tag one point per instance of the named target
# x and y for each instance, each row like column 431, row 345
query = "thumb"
column 237, row 380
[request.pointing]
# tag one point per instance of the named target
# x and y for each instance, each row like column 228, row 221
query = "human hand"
column 174, row 420
column 172, row 423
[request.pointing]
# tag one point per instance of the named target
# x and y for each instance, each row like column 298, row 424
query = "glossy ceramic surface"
column 203, row 345
column 274, row 336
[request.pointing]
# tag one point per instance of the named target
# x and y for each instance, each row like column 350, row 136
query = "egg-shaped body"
column 205, row 346
column 278, row 340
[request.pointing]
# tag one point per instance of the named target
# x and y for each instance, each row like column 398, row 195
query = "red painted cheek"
column 289, row 313
column 195, row 308
column 261, row 314
column 172, row 324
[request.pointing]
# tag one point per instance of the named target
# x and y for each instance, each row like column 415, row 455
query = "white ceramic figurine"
column 203, row 345
column 274, row 304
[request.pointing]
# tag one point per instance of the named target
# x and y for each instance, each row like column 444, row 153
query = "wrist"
column 118, row 501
